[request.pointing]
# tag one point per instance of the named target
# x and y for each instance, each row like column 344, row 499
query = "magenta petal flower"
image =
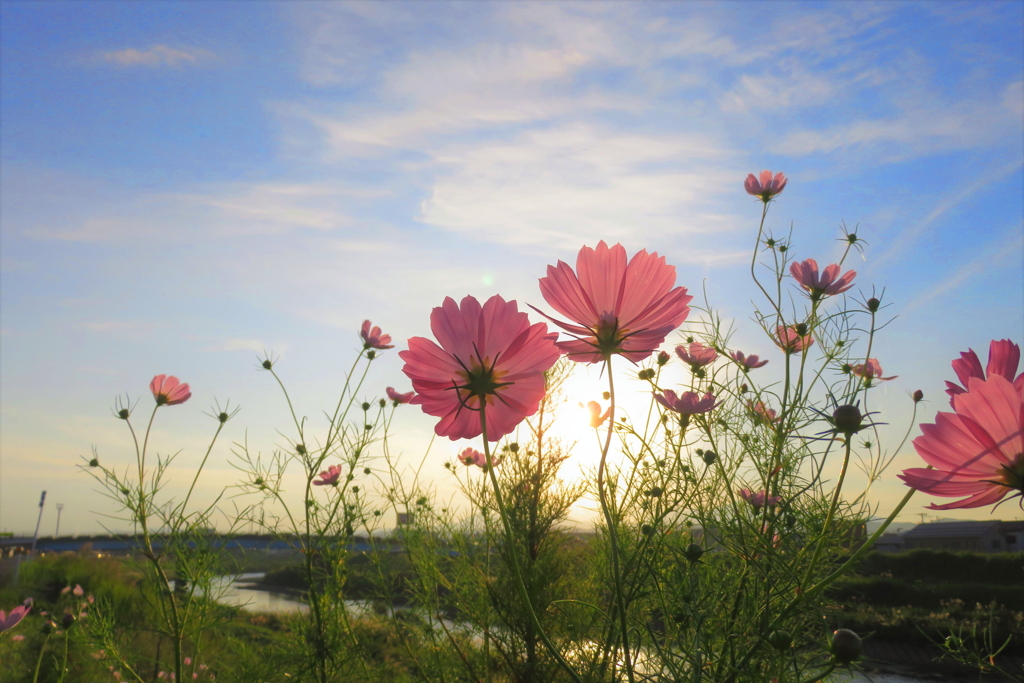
column 827, row 284
column 696, row 355
column 1003, row 358
column 978, row 451
column 397, row 397
column 790, row 340
column 471, row 456
column 766, row 186
column 748, row 362
column 373, row 339
column 596, row 417
column 689, row 403
column 167, row 390
column 762, row 414
column 10, row 620
column 615, row 306
column 758, row 499
column 488, row 356
column 329, row 477
column 870, row 371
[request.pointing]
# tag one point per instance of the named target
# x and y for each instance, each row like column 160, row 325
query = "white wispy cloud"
column 158, row 55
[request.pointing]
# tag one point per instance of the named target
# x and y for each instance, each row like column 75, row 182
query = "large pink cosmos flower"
column 373, row 338
column 488, row 356
column 978, row 451
column 615, row 307
column 748, row 362
column 767, row 186
column 9, row 621
column 168, row 391
column 826, row 284
column 686, row 404
column 696, row 355
column 1003, row 357
column 329, row 477
column 790, row 340
column 870, row 371
column 397, row 397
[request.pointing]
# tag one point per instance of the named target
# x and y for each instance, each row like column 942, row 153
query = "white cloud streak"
column 158, row 55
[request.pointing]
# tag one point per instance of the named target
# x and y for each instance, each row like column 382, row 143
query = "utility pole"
column 35, row 536
column 922, row 515
column 60, row 509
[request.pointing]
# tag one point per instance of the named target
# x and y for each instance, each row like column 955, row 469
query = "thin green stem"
column 39, row 661
column 513, row 560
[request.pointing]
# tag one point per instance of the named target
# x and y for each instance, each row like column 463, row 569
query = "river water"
column 233, row 591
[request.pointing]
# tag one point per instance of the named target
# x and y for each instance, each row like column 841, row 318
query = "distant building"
column 890, row 543
column 404, row 518
column 992, row 536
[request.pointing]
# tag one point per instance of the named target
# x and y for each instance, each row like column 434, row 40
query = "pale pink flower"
column 615, row 306
column 373, row 339
column 696, row 355
column 329, row 477
column 397, row 397
column 489, row 356
column 471, row 456
column 18, row 638
column 167, row 390
column 762, row 414
column 767, row 186
column 10, row 620
column 161, row 674
column 596, row 417
column 790, row 340
column 978, row 451
column 870, row 371
column 78, row 591
column 826, row 284
column 65, row 590
column 188, row 661
column 688, row 403
column 758, row 499
column 748, row 362
column 1003, row 357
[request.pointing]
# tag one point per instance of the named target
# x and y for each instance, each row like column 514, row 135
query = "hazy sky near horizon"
column 187, row 184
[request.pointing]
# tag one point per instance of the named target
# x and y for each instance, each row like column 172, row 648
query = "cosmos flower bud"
column 366, row 406
column 267, row 364
column 663, row 358
column 68, row 620
column 801, row 329
column 124, row 413
column 300, row 449
column 647, row 529
column 846, row 646
column 847, row 419
column 693, row 552
column 646, row 373
column 918, row 396
column 873, row 304
column 780, row 640
column 709, row 458
column 94, row 462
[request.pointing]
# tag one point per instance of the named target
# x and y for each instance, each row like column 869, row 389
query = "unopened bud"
column 514, row 447
column 852, row 238
column 709, row 458
column 267, row 364
column 647, row 529
column 654, row 493
column 366, row 470
column 300, row 449
column 94, row 463
column 873, row 304
column 646, row 373
column 693, row 552
column 744, row 388
column 783, row 248
column 780, row 640
column 123, row 414
column 847, row 368
column 847, row 419
column 382, row 403
column 663, row 358
column 918, row 396
column 371, row 354
column 606, row 396
column 801, row 329
column 846, row 646
column 366, row 406
column 68, row 620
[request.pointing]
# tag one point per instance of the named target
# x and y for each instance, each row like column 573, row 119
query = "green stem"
column 64, row 664
column 39, row 662
column 524, row 595
column 613, row 537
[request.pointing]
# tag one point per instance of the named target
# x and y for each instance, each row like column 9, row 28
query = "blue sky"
column 185, row 184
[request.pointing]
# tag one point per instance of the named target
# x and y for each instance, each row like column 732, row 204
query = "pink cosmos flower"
column 978, row 451
column 696, row 355
column 188, row 661
column 615, row 306
column 10, row 620
column 870, row 371
column 329, row 477
column 373, row 339
column 596, row 418
column 18, row 638
column 167, row 390
column 790, row 340
column 1003, row 357
column 472, row 456
column 748, row 362
column 689, row 403
column 78, row 591
column 826, row 284
column 767, row 186
column 397, row 397
column 762, row 414
column 488, row 356
column 758, row 499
